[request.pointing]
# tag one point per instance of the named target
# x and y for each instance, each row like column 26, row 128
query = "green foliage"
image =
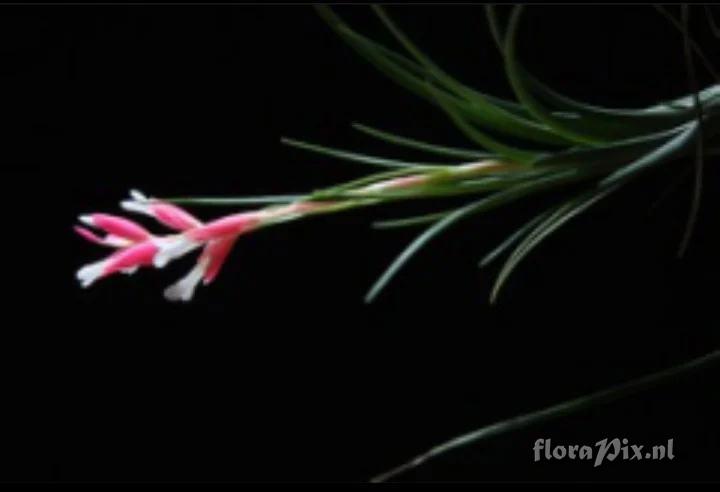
column 567, row 142
column 555, row 141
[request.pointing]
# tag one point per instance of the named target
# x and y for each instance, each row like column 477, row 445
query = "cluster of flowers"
column 136, row 247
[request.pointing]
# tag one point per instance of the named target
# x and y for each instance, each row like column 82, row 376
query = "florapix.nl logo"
column 606, row 449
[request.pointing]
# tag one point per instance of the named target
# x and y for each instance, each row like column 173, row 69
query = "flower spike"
column 137, row 247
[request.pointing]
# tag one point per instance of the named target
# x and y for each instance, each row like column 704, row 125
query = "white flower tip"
column 184, row 289
column 86, row 219
column 134, row 206
column 88, row 274
column 138, row 203
column 138, row 196
column 171, row 248
column 179, row 293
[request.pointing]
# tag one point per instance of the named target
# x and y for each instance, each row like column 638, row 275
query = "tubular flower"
column 226, row 227
column 217, row 237
column 136, row 247
column 205, row 270
column 167, row 214
column 119, row 231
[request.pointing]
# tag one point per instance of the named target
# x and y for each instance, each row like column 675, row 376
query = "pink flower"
column 109, row 240
column 119, row 231
column 126, row 260
column 167, row 214
column 206, row 269
column 137, row 247
column 226, row 227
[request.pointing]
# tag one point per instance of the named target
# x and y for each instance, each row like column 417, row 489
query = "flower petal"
column 172, row 247
column 118, row 226
column 232, row 225
column 184, row 289
column 167, row 214
column 89, row 274
column 217, row 252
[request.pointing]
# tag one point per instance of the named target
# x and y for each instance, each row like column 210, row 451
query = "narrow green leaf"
column 410, row 221
column 418, row 244
column 495, row 29
column 496, row 117
column 558, row 410
column 356, row 40
column 580, row 204
column 243, row 200
column 609, row 155
column 707, row 96
column 711, row 21
column 694, row 46
column 605, row 123
column 700, row 146
column 419, row 145
column 491, row 184
column 513, row 238
column 554, row 221
column 481, row 109
column 363, row 158
column 663, row 153
column 519, row 84
column 511, row 153
column 487, row 203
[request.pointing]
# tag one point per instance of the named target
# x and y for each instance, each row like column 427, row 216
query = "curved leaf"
column 513, row 238
column 419, row 145
column 558, row 410
column 556, row 219
column 363, row 158
column 511, row 153
column 605, row 123
column 670, row 149
column 481, row 109
column 487, row 203
column 503, row 121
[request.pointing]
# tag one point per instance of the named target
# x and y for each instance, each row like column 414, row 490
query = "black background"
column 278, row 371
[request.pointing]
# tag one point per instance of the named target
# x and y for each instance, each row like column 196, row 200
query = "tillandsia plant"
column 567, row 143
column 543, row 141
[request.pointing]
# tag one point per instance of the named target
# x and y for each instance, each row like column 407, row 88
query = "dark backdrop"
column 278, row 371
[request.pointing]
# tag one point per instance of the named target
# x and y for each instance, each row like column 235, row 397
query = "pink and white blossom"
column 206, row 269
column 136, row 247
column 167, row 214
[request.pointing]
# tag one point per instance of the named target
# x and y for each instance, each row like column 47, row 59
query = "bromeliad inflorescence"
column 136, row 247
column 554, row 141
